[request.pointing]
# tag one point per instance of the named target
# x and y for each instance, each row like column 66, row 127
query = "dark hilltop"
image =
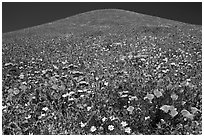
column 103, row 72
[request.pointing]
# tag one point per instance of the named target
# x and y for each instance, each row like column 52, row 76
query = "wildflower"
column 124, row 123
column 174, row 96
column 80, row 90
column 173, row 112
column 62, row 87
column 130, row 56
column 7, row 64
column 149, row 96
column 65, row 95
column 187, row 114
column 170, row 86
column 128, row 130
column 45, row 108
column 55, row 67
column 194, row 110
column 100, row 128
column 41, row 116
column 111, row 127
column 106, row 83
column 10, row 91
column 23, row 87
column 83, row 124
column 125, row 91
column 183, row 103
column 44, row 71
column 16, row 91
column 21, row 76
column 93, row 129
column 124, row 95
column 88, row 108
column 113, row 118
column 157, row 93
column 104, row 119
column 147, row 117
column 133, row 98
column 54, row 86
column 122, row 57
column 27, row 117
column 165, row 108
column 130, row 109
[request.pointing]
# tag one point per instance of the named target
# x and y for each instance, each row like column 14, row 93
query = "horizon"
column 17, row 16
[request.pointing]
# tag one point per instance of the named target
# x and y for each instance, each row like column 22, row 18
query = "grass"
column 90, row 82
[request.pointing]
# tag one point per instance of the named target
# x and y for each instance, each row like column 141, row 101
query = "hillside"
column 103, row 72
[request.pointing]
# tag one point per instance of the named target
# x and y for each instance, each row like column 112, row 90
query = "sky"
column 19, row 15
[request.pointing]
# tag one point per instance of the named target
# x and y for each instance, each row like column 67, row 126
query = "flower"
column 106, row 83
column 133, row 98
column 165, row 108
column 124, row 123
column 113, row 118
column 173, row 112
column 23, row 87
column 172, row 109
column 88, row 108
column 130, row 109
column 111, row 127
column 194, row 110
column 83, row 124
column 149, row 96
column 122, row 57
column 16, row 91
column 157, row 93
column 104, row 119
column 93, row 128
column 45, row 108
column 62, row 87
column 21, row 76
column 128, row 130
column 174, row 96
column 10, row 91
column 187, row 114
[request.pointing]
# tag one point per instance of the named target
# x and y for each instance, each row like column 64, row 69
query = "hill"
column 103, row 72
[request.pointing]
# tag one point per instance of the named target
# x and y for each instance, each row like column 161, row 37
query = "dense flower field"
column 85, row 75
